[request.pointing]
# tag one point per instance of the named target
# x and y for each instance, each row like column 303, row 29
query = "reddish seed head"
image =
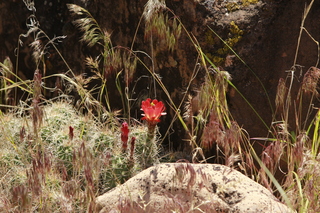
column 22, row 134
column 152, row 111
column 133, row 140
column 71, row 134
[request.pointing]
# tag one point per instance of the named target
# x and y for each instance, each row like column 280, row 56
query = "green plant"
column 218, row 57
column 233, row 6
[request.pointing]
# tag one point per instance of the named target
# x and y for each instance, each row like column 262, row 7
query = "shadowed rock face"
column 184, row 187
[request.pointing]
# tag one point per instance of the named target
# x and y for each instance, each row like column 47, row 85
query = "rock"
column 183, row 187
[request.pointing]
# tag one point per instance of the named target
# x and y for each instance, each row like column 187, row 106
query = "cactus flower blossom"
column 152, row 111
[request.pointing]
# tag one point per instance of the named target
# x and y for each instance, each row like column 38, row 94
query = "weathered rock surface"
column 183, row 187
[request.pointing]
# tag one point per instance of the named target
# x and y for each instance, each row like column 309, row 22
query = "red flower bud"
column 124, row 135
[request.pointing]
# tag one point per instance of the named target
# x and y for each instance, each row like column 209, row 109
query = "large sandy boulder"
column 184, row 187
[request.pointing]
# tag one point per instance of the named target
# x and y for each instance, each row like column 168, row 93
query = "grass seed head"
column 281, row 93
column 310, row 80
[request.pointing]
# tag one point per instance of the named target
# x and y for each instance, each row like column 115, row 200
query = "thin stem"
column 305, row 14
column 151, row 148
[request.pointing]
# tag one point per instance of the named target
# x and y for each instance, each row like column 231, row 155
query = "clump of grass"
column 293, row 148
column 160, row 29
column 295, row 153
column 112, row 64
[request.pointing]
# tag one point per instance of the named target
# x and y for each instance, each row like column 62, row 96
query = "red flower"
column 152, row 111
